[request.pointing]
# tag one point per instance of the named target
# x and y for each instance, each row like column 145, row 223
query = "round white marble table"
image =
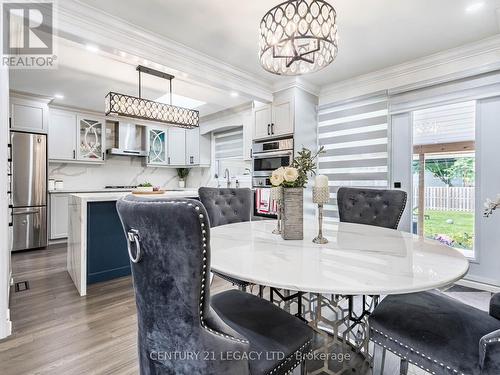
column 338, row 284
column 357, row 260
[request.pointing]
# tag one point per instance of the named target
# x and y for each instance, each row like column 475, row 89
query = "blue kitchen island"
column 97, row 249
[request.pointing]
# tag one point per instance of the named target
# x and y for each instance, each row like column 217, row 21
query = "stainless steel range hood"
column 129, row 140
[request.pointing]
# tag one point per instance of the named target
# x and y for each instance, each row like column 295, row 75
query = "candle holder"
column 321, row 196
column 277, row 195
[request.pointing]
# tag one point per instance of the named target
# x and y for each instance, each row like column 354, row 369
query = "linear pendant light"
column 136, row 107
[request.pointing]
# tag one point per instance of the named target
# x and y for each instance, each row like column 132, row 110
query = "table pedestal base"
column 341, row 323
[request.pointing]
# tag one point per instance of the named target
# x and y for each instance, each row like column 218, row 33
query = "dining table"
column 334, row 286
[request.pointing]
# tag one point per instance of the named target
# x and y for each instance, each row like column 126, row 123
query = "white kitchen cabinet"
column 274, row 120
column 263, row 119
column 90, row 139
column 62, row 136
column 29, row 115
column 282, row 118
column 157, row 146
column 59, row 216
column 193, row 147
column 176, row 141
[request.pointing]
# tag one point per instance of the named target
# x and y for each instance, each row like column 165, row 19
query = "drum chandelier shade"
column 298, row 37
column 136, row 107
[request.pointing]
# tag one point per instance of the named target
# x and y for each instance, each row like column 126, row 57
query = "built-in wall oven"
column 268, row 156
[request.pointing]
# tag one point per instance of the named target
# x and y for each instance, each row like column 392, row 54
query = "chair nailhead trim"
column 288, row 359
column 413, row 350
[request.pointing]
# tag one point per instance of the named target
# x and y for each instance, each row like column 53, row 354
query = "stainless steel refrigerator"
column 29, row 190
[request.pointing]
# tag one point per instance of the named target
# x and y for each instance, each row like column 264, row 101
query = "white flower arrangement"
column 295, row 176
column 490, row 206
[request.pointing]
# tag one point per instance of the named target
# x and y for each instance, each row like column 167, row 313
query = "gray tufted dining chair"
column 382, row 208
column 227, row 206
column 437, row 333
column 182, row 329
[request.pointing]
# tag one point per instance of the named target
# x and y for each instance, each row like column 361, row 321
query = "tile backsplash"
column 122, row 170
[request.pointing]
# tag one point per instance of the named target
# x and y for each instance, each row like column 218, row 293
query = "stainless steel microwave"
column 270, row 155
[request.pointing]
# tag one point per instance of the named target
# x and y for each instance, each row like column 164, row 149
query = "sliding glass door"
column 444, row 169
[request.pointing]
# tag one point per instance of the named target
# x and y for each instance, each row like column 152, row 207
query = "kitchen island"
column 97, row 248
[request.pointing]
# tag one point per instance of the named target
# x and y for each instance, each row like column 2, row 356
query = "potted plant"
column 145, row 187
column 293, row 180
column 182, row 173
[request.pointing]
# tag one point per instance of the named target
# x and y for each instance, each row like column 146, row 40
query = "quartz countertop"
column 116, row 195
column 87, row 190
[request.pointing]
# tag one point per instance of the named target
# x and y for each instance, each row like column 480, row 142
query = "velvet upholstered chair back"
column 227, row 206
column 382, row 208
column 171, row 238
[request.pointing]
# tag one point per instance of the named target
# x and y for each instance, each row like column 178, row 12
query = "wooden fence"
column 447, row 198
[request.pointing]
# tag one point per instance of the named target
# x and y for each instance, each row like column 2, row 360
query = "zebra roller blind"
column 355, row 136
column 229, row 144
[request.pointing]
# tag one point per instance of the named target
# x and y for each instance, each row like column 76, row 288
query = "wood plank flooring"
column 55, row 331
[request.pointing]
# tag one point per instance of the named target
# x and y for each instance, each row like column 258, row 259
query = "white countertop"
column 113, row 196
column 71, row 191
column 359, row 259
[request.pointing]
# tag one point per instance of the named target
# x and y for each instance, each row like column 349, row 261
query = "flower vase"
column 292, row 227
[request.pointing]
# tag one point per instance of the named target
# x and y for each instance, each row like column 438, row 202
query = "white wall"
column 4, row 242
column 487, row 268
column 122, row 170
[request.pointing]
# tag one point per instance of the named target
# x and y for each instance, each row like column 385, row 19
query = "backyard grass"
column 463, row 222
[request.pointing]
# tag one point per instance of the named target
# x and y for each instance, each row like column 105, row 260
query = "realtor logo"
column 28, row 35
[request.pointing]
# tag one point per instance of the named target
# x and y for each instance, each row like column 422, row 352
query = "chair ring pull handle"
column 133, row 237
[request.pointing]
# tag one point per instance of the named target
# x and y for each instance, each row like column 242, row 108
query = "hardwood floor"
column 55, row 331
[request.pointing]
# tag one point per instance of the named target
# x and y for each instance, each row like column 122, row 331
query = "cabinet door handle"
column 74, row 154
column 103, row 156
column 272, row 128
column 168, row 160
column 268, row 129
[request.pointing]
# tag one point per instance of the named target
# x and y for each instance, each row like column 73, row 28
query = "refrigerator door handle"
column 31, row 212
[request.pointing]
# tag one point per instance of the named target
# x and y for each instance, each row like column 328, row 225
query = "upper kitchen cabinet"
column 157, row 146
column 274, row 120
column 263, row 119
column 176, row 141
column 90, row 139
column 62, row 135
column 75, row 137
column 193, row 146
column 29, row 115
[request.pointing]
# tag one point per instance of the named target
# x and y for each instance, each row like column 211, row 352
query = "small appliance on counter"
column 29, row 190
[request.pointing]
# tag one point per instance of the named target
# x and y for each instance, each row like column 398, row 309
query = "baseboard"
column 479, row 285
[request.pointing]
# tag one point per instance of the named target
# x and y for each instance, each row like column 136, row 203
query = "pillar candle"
column 321, row 181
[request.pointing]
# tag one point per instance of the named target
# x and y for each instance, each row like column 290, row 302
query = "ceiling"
column 372, row 34
column 85, row 77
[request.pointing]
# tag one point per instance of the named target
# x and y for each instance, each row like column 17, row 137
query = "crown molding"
column 84, row 24
column 245, row 107
column 456, row 63
column 296, row 82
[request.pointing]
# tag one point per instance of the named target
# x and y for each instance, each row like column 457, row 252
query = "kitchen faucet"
column 228, row 178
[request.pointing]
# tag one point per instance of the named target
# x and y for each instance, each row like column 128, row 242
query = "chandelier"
column 144, row 109
column 298, row 37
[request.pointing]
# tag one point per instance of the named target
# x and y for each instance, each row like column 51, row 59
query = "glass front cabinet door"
column 90, row 139
column 157, row 146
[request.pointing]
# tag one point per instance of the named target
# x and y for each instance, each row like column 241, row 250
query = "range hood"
column 129, row 140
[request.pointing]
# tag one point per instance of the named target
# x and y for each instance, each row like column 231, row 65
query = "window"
column 228, row 152
column 355, row 137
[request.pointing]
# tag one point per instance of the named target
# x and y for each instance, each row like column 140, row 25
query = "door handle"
column 74, row 154
column 268, row 129
column 168, row 160
column 31, row 212
column 272, row 128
